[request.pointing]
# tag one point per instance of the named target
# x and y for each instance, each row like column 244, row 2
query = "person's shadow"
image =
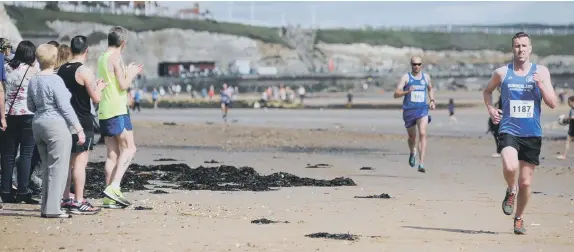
column 18, row 212
column 453, row 230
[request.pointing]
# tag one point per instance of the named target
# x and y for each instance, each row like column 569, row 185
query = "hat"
column 4, row 44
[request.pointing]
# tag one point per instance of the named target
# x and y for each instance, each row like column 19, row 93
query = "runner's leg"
column 422, row 124
column 412, row 134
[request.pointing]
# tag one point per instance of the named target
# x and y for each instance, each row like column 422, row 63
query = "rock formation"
column 7, row 28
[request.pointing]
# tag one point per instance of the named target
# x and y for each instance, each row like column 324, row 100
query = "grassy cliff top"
column 34, row 20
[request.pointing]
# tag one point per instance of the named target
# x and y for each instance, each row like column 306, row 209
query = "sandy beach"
column 455, row 206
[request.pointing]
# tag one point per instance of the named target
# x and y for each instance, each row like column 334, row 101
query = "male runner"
column 115, row 123
column 415, row 86
column 522, row 86
column 82, row 84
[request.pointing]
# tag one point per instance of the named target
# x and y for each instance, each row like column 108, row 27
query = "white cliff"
column 7, row 28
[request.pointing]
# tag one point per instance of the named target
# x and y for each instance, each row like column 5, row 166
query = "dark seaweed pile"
column 318, row 166
column 348, row 237
column 221, row 178
column 158, row 192
column 382, row 196
column 164, row 159
column 266, row 221
column 143, row 208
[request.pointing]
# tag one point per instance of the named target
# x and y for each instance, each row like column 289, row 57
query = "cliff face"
column 7, row 28
column 151, row 47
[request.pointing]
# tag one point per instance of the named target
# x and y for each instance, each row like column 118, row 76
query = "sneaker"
column 508, row 203
column 66, row 204
column 111, row 204
column 421, row 168
column 116, row 195
column 519, row 226
column 412, row 160
column 83, row 208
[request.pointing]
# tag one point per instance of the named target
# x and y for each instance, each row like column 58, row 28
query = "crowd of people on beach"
column 51, row 95
column 48, row 117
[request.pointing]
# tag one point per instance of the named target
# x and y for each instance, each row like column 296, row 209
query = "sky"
column 376, row 14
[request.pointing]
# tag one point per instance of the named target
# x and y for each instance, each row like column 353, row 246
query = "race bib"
column 521, row 109
column 417, row 96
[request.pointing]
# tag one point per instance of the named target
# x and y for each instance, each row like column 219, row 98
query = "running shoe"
column 421, row 168
column 116, row 194
column 111, row 204
column 412, row 159
column 83, row 208
column 508, row 203
column 66, row 204
column 519, row 226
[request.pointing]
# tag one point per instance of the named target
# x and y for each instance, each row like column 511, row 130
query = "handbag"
column 3, row 132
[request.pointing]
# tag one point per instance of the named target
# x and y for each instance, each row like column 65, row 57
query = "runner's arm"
column 429, row 87
column 492, row 85
column 399, row 91
column 548, row 94
column 124, row 80
column 86, row 78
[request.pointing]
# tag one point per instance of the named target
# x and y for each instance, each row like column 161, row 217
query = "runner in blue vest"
column 523, row 85
column 415, row 86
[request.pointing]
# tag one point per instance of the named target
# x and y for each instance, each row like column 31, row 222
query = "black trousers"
column 18, row 135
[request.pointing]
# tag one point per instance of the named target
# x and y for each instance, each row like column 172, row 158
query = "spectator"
column 50, row 100
column 64, row 55
column 18, row 125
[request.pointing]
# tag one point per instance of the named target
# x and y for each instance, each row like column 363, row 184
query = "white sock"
column 512, row 190
column 116, row 185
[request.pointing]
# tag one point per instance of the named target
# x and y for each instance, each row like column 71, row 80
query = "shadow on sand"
column 453, row 230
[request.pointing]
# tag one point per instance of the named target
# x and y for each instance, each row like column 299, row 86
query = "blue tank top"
column 224, row 96
column 418, row 97
column 520, row 104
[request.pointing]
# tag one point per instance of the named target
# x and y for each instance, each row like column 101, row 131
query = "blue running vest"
column 521, row 98
column 418, row 97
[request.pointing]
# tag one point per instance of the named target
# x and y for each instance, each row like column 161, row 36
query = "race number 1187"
column 521, row 109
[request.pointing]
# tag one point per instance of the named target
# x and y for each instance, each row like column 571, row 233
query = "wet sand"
column 455, row 206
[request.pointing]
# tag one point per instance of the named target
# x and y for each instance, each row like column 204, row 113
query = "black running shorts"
column 88, row 144
column 528, row 147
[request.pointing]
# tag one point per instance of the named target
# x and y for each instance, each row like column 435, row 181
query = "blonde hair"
column 64, row 55
column 47, row 56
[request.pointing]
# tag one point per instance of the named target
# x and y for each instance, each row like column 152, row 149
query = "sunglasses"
column 416, row 64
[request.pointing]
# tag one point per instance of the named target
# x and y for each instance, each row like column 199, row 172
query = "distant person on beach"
column 451, row 111
column 415, row 86
column 570, row 120
column 225, row 94
column 138, row 96
column 155, row 97
column 349, row 98
column 115, row 122
column 301, row 92
column 523, row 86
